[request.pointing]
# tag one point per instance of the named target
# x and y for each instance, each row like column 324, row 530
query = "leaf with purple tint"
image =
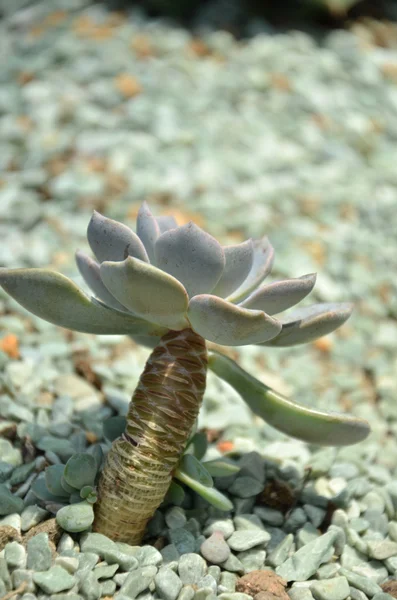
column 280, row 295
column 191, row 255
column 310, row 323
column 89, row 270
column 148, row 230
column 111, row 240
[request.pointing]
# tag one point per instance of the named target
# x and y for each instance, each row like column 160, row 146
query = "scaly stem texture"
column 162, row 412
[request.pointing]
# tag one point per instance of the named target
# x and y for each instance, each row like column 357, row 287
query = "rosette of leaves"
column 60, row 487
column 174, row 288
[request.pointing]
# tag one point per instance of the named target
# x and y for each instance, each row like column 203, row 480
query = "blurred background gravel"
column 280, row 132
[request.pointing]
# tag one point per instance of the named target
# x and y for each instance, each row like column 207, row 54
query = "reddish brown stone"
column 264, row 585
column 390, row 587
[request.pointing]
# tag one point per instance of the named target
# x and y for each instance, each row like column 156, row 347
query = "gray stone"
column 300, row 593
column 373, row 569
column 234, row 596
column 4, row 573
column 269, row 516
column 207, row 582
column 169, row 553
column 175, row 517
column 215, row 549
column 186, row 593
column 305, row 562
column 328, row 571
column 233, row 564
column 31, row 516
column 215, row 572
column 382, row 596
column 25, row 578
column 191, row 568
column 15, row 555
column 356, row 594
column 54, row 580
column 246, row 539
column 183, row 540
column 336, row 588
column 137, row 581
column 13, row 520
column 168, row 584
column 39, row 553
column 246, row 487
column 9, row 503
column 296, row 519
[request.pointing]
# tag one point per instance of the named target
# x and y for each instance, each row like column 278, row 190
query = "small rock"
column 31, row 516
column 106, row 571
column 252, row 560
column 69, row 563
column 54, row 580
column 149, row 555
column 382, row 549
column 137, row 581
column 183, row 540
column 89, row 586
column 215, row 549
column 269, row 516
column 262, row 581
column 226, row 526
column 305, row 562
column 168, row 584
column 39, row 553
column 75, row 517
column 25, row 578
column 246, row 487
column 15, row 555
column 9, row 503
column 191, row 568
column 336, row 588
column 246, row 539
column 366, row 585
column 175, row 517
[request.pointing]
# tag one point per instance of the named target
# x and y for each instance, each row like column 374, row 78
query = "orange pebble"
column 9, row 344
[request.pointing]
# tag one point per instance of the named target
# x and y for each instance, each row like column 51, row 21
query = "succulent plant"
column 174, row 287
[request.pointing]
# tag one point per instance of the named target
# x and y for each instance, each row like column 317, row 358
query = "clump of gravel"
column 274, row 135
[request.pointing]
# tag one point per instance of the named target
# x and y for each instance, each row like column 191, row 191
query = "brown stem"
column 162, row 412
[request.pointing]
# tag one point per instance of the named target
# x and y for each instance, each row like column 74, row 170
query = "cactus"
column 175, row 288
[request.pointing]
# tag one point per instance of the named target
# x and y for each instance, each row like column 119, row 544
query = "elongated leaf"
column 193, row 468
column 262, row 263
column 53, row 479
column 55, row 298
column 221, row 467
column 212, row 495
column 166, row 222
column 238, row 263
column 175, row 494
column 307, row 424
column 280, row 295
column 224, row 323
column 191, row 255
column 198, row 445
column 111, row 240
column 113, row 427
column 310, row 323
column 147, row 291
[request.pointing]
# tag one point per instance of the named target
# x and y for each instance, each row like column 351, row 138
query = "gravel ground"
column 274, row 135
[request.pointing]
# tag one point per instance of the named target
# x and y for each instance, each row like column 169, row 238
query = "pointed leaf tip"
column 111, row 240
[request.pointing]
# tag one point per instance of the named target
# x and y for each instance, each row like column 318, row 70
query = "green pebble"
column 75, row 517
column 105, row 572
column 137, row 581
column 233, row 564
column 246, row 487
column 39, row 553
column 15, row 555
column 336, row 588
column 148, row 555
column 5, row 471
column 108, row 587
column 54, row 580
column 365, row 584
column 247, row 539
column 21, row 473
column 23, row 576
column 168, row 584
column 252, row 560
column 227, row 582
column 87, row 561
column 169, row 554
column 4, row 573
column 186, row 593
column 191, row 568
column 9, row 503
column 280, row 552
column 32, row 515
column 89, row 586
column 234, row 596
column 382, row 549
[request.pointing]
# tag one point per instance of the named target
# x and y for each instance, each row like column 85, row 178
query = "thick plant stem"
column 162, row 412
